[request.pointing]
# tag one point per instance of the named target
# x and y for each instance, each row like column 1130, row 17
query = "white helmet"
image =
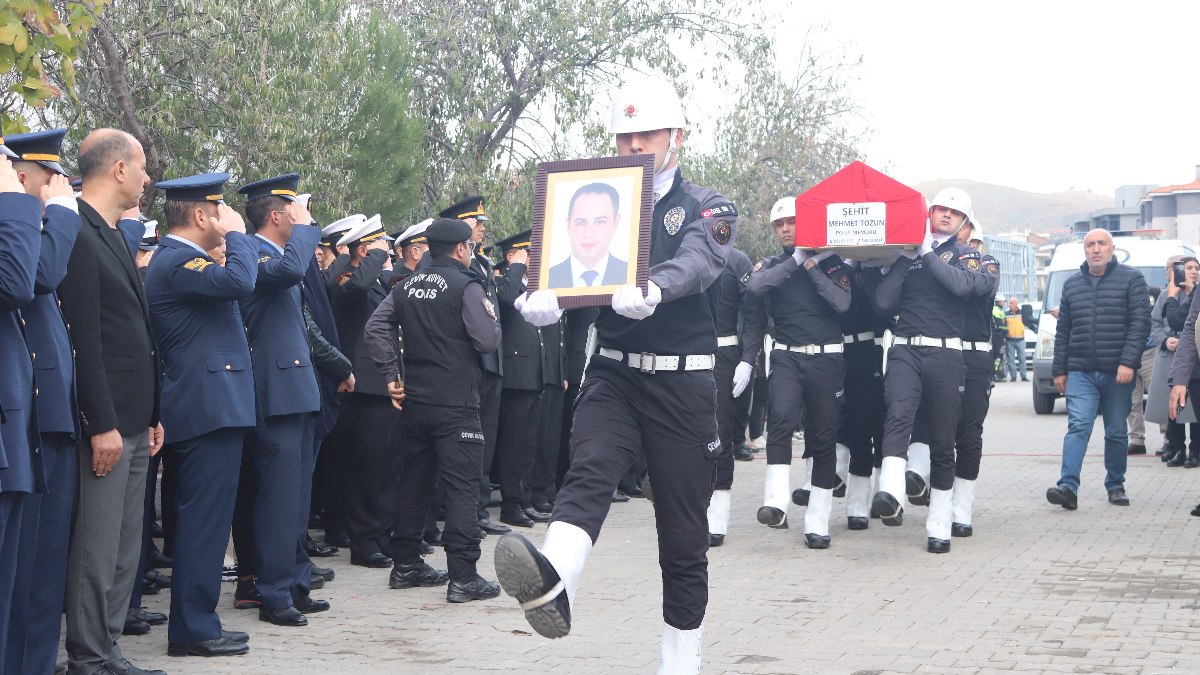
column 784, row 208
column 976, row 230
column 646, row 104
column 954, row 198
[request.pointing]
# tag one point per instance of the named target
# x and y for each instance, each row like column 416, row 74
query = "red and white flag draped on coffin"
column 862, row 214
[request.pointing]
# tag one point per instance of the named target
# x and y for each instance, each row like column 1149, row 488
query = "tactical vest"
column 441, row 366
column 801, row 315
column 683, row 326
column 927, row 307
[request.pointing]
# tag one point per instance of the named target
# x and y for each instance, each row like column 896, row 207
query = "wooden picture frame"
column 579, row 238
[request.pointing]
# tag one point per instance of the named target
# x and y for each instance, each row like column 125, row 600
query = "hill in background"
column 1002, row 208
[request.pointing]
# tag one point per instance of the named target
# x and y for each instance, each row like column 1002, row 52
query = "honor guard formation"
column 381, row 383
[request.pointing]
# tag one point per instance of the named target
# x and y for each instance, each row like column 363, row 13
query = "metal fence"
column 1018, row 267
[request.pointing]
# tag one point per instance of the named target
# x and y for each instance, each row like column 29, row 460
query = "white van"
column 1148, row 255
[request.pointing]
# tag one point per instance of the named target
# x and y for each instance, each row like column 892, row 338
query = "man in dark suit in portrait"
column 592, row 220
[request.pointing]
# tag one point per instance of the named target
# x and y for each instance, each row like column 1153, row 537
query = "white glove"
column 741, row 378
column 539, row 308
column 628, row 301
column 799, row 255
column 927, row 245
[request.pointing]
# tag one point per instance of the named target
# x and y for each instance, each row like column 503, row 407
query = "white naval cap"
column 367, row 231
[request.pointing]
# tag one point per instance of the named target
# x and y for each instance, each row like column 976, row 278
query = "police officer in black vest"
column 447, row 324
column 925, row 363
column 977, row 389
column 369, row 420
column 470, row 211
column 806, row 374
column 732, row 374
column 648, row 391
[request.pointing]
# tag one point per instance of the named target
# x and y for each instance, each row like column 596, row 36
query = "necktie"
column 589, row 277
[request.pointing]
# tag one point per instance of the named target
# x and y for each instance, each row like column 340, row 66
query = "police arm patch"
column 722, row 231
column 197, row 264
column 343, row 278
column 489, row 308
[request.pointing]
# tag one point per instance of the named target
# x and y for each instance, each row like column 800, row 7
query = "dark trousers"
column 669, row 418
column 861, row 427
column 732, row 413
column 758, row 399
column 167, row 502
column 374, row 469
column 270, row 516
column 208, row 476
column 331, row 477
column 489, row 419
column 543, row 476
column 520, row 411
column 11, row 509
column 976, row 397
column 930, row 377
column 806, row 391
column 49, row 516
column 439, row 445
column 135, row 598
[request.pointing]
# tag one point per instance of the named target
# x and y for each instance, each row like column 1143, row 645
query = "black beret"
column 448, row 231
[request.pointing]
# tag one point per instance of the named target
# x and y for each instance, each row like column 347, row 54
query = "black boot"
column 1168, row 453
column 1178, row 458
column 1193, row 459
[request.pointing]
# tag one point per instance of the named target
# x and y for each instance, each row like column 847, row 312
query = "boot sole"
column 520, row 576
column 422, row 584
column 917, row 488
column 772, row 517
column 891, row 514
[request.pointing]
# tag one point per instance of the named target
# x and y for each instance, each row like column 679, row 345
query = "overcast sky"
column 1043, row 96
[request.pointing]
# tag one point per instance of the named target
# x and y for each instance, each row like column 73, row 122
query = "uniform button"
column 228, row 366
column 36, row 392
column 32, row 356
column 297, row 362
column 151, row 352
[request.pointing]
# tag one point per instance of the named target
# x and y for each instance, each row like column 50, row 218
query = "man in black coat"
column 117, row 381
column 520, row 405
column 1103, row 324
column 368, row 418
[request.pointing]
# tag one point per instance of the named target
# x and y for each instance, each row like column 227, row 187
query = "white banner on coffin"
column 862, row 224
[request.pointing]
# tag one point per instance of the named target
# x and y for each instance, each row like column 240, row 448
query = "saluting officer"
column 732, row 375
column 470, row 211
column 332, row 258
column 370, row 421
column 977, row 390
column 46, row 520
column 521, row 403
column 20, row 225
column 333, row 473
column 207, row 394
column 411, row 246
column 807, row 373
column 277, row 463
column 447, row 323
column 925, row 363
column 648, row 391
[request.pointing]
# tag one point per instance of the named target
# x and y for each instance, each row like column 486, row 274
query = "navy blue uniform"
column 46, row 523
column 276, row 480
column 207, row 405
column 20, row 467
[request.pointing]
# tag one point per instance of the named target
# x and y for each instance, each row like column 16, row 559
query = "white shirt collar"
column 578, row 268
column 189, row 242
column 663, row 182
column 273, row 244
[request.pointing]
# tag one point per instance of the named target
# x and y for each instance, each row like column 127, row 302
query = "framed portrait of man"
column 591, row 228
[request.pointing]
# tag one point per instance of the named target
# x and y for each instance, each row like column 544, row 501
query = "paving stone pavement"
column 1037, row 589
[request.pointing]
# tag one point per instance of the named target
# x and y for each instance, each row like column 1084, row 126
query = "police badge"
column 972, row 264
column 946, row 256
column 673, row 220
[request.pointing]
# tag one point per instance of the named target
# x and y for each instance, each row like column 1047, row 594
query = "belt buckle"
column 647, row 357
